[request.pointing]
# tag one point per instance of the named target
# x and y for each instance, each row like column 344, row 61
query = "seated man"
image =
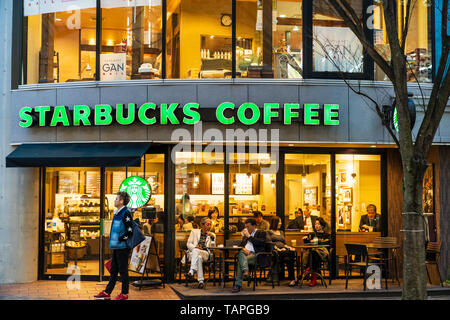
column 197, row 244
column 261, row 224
column 253, row 242
column 309, row 221
column 297, row 223
column 371, row 221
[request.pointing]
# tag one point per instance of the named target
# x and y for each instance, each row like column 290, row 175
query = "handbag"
column 108, row 265
column 137, row 236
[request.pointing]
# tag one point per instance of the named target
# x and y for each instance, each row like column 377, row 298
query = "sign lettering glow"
column 226, row 113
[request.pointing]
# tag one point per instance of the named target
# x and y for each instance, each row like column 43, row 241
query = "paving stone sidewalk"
column 58, row 290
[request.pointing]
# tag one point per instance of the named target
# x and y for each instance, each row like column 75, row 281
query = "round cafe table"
column 223, row 257
column 310, row 271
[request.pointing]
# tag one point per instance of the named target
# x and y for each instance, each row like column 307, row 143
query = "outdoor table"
column 310, row 247
column 223, row 256
column 386, row 247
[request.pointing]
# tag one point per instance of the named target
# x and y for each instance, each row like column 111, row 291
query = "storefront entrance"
column 336, row 185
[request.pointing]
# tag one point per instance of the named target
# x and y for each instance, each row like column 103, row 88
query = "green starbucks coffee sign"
column 226, row 113
column 139, row 191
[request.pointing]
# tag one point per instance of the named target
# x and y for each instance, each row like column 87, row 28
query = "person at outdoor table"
column 286, row 254
column 180, row 223
column 198, row 252
column 371, row 221
column 253, row 242
column 318, row 254
column 216, row 223
column 261, row 224
column 297, row 223
column 189, row 225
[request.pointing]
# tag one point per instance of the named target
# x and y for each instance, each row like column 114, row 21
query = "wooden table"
column 224, row 256
column 310, row 271
column 385, row 247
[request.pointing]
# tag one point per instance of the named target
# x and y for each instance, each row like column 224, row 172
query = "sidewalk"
column 57, row 290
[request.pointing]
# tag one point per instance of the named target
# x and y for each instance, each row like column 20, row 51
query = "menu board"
column 92, row 182
column 68, row 182
column 117, row 179
column 244, row 184
column 74, row 232
column 217, row 183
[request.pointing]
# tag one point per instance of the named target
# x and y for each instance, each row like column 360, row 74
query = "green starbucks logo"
column 395, row 119
column 139, row 191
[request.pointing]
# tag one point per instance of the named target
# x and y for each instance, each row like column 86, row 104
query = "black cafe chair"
column 209, row 265
column 263, row 260
column 357, row 256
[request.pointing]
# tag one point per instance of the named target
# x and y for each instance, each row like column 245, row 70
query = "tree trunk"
column 414, row 272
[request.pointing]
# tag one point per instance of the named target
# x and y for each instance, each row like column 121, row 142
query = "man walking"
column 121, row 230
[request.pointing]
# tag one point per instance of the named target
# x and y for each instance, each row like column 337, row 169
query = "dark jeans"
column 284, row 258
column 119, row 264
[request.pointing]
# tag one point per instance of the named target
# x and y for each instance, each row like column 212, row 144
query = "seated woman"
column 216, row 223
column 180, row 223
column 318, row 254
column 285, row 254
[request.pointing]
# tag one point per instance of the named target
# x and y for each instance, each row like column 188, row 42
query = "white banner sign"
column 32, row 7
column 113, row 66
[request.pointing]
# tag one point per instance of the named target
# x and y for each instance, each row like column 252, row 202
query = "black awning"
column 78, row 155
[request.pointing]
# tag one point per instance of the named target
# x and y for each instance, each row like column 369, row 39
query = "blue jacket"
column 119, row 229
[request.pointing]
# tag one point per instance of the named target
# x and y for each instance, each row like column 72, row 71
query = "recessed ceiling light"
column 58, row 19
column 282, row 16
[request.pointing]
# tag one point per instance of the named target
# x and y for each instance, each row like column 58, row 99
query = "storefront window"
column 335, row 47
column 151, row 215
column 73, row 225
column 131, row 40
column 307, row 187
column 198, row 39
column 358, row 200
column 72, row 220
column 61, row 40
column 269, row 39
column 418, row 47
column 252, row 188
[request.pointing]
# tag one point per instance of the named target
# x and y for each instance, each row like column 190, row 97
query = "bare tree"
column 413, row 150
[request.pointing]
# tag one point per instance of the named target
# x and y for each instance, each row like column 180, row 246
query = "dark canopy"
column 78, row 155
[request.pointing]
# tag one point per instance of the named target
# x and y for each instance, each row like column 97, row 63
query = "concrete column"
column 18, row 187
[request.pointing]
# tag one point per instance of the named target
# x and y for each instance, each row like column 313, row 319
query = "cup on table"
column 370, row 229
column 294, row 242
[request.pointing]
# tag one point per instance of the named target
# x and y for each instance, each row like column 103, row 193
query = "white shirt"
column 118, row 210
column 249, row 245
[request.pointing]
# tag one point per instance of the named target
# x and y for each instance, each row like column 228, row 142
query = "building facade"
column 236, row 103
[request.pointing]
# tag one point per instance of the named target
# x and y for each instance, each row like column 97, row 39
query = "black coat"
column 260, row 244
column 376, row 223
column 298, row 222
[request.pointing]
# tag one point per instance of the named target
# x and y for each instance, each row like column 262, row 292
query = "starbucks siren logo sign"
column 139, row 191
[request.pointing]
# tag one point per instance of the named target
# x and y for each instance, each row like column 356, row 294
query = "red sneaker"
column 103, row 296
column 122, row 297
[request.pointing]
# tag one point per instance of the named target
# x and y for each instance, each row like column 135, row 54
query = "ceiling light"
column 282, row 16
